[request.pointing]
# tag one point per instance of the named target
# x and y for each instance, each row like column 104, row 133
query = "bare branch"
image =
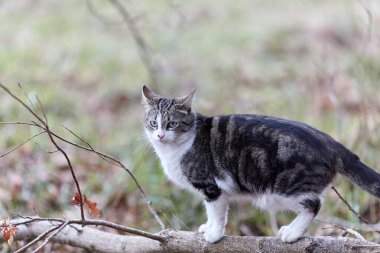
column 19, row 123
column 350, row 207
column 24, row 220
column 346, row 230
column 42, row 110
column 18, row 146
column 94, row 11
column 37, row 239
column 93, row 240
column 92, row 149
column 357, row 214
column 22, row 102
column 349, row 224
column 94, row 222
column 58, row 229
column 142, row 45
column 71, row 170
column 120, row 228
column 368, row 35
column 104, row 156
column 46, row 128
column 354, row 233
column 118, row 163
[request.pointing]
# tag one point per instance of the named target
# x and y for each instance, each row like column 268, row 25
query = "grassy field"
column 311, row 61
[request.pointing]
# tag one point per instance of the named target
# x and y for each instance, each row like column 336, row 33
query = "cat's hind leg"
column 306, row 210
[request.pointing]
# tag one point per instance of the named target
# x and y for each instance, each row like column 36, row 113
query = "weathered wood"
column 98, row 241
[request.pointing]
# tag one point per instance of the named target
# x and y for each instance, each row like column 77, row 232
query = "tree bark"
column 95, row 240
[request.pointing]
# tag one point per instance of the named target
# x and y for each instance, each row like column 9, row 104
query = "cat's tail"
column 361, row 174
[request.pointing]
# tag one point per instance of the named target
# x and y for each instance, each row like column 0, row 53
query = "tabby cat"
column 276, row 163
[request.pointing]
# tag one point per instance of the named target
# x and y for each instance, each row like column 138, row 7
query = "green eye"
column 153, row 123
column 172, row 124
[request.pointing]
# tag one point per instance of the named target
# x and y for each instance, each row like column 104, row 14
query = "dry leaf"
column 6, row 234
column 92, row 209
column 75, row 200
column 12, row 234
column 8, row 230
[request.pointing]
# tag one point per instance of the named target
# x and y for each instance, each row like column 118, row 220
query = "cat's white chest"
column 171, row 157
column 171, row 162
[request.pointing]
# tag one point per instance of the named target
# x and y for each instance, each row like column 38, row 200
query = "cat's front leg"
column 204, row 227
column 217, row 219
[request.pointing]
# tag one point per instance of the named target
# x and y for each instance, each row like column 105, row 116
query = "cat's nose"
column 160, row 136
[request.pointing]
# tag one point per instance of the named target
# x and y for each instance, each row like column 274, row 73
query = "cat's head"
column 168, row 120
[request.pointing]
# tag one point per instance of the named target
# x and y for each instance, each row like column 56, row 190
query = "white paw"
column 213, row 234
column 281, row 230
column 203, row 228
column 289, row 233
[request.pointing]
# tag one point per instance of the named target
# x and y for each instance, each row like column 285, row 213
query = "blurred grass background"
column 311, row 61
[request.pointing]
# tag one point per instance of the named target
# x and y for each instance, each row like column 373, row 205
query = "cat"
column 276, row 163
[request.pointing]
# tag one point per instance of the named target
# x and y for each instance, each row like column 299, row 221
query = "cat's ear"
column 148, row 96
column 186, row 101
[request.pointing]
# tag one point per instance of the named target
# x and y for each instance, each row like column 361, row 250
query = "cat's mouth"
column 163, row 141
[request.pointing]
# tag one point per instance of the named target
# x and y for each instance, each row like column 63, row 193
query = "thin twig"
column 47, row 151
column 118, row 163
column 94, row 222
column 22, row 102
column 27, row 220
column 60, row 228
column 18, row 146
column 120, row 228
column 361, row 218
column 35, row 240
column 42, row 110
column 104, row 156
column 350, row 207
column 368, row 35
column 71, row 170
column 142, row 45
column 66, row 157
column 108, row 158
column 18, row 123
column 354, row 233
column 357, row 226
column 93, row 10
column 46, row 128
column 27, row 97
column 90, row 147
column 346, row 230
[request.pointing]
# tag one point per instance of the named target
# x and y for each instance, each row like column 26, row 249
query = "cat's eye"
column 172, row 124
column 153, row 123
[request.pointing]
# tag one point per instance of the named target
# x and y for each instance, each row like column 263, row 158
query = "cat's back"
column 258, row 151
column 240, row 132
column 251, row 124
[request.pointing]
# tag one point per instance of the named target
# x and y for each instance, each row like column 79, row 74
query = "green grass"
column 300, row 60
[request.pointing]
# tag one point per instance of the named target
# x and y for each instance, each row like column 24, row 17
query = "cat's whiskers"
column 144, row 145
column 143, row 139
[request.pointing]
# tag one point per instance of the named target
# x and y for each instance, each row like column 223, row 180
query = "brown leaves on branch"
column 8, row 230
column 42, row 123
column 92, row 209
column 91, row 206
column 75, row 200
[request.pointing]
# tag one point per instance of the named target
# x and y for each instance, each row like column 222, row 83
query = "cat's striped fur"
column 278, row 164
